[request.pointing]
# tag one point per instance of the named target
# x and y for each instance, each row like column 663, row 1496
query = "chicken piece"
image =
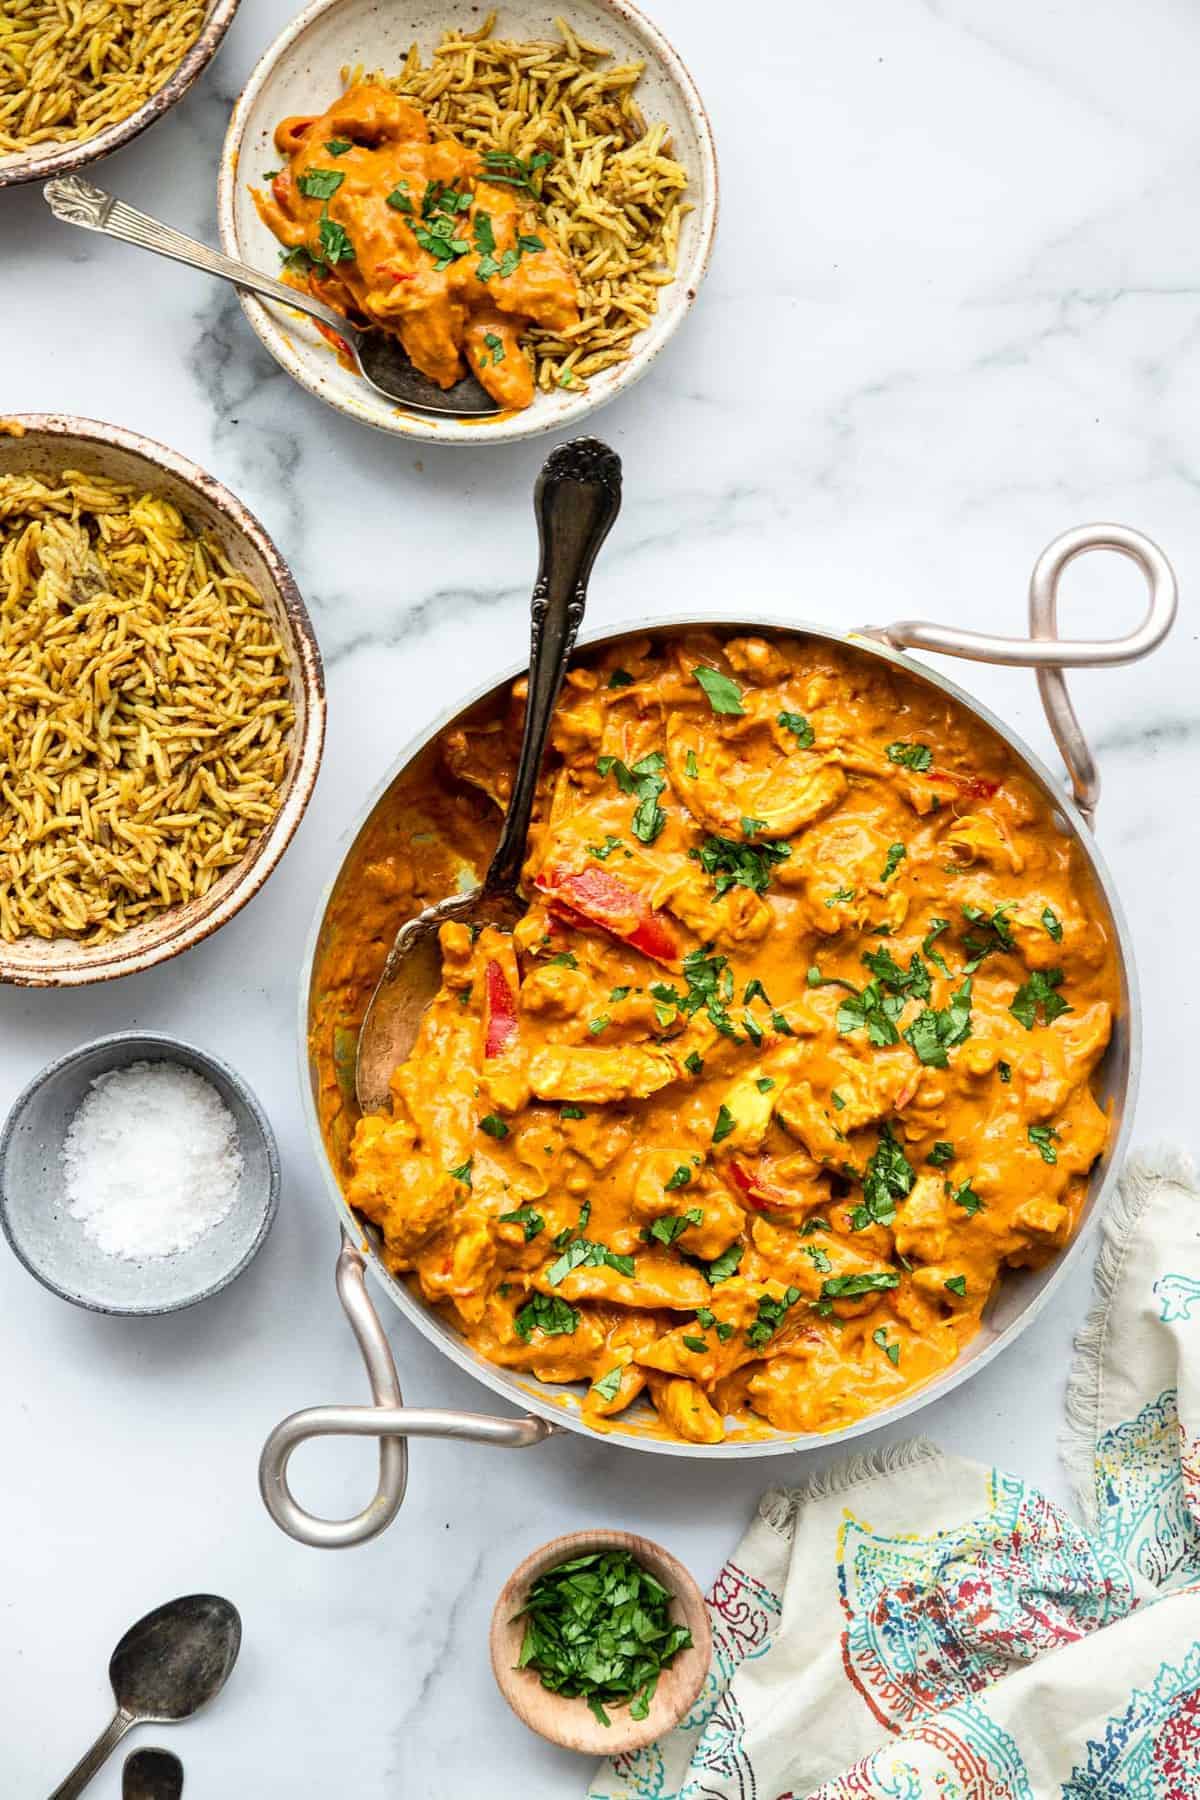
column 683, row 1407
column 924, row 1227
column 660, row 1282
column 978, row 837
column 594, row 1077
column 406, row 1194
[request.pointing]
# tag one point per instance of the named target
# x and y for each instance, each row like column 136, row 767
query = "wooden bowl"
column 43, row 443
column 570, row 1722
column 60, row 156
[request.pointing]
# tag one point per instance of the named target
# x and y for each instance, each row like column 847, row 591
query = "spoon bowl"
column 576, row 499
column 177, row 1658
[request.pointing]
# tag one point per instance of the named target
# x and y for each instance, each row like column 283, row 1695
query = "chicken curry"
column 790, row 1057
column 433, row 242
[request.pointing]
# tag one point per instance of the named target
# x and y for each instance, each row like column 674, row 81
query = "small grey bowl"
column 52, row 1245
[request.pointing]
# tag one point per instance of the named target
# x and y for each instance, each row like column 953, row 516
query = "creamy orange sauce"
column 789, row 1059
column 412, row 237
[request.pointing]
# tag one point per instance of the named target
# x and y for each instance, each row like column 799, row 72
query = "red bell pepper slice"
column 331, row 337
column 499, row 1011
column 760, row 1195
column 971, row 787
column 592, row 896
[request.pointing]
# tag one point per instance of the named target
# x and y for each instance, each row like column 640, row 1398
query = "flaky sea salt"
column 151, row 1160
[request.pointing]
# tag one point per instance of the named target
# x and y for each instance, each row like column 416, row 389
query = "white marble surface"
column 953, row 310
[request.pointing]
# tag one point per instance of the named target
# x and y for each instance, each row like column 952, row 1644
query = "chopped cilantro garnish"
column 889, row 1177
column 941, row 1154
column 547, row 1313
column 734, row 864
column 799, row 727
column 462, row 1173
column 935, row 1032
column 680, row 1178
column 724, row 1125
column 620, row 678
column 494, row 1125
column 1039, row 992
column 771, row 1315
column 967, row 1198
column 571, row 1112
column 335, row 245
column 581, row 1253
column 724, row 695
column 338, row 146
column 666, row 1229
column 1052, row 924
column 320, row 184
column 891, row 1351
column 608, row 1385
column 598, row 1627
column 1043, row 1138
column 532, row 1221
column 723, row 1266
column 918, row 757
column 957, row 1284
column 895, row 856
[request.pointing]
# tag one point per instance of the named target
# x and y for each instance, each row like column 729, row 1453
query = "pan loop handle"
column 387, row 1418
column 1049, row 654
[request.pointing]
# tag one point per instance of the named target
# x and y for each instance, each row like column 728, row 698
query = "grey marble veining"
column 953, row 310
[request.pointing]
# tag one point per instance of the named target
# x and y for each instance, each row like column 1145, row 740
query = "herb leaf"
column 918, row 757
column 724, row 695
column 1043, row 1138
column 799, row 727
column 1040, row 992
column 525, row 1216
column 320, row 184
column 733, row 864
column 547, row 1313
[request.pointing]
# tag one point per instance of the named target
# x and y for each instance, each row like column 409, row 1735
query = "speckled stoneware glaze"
column 60, row 158
column 49, row 443
column 52, row 1244
column 301, row 73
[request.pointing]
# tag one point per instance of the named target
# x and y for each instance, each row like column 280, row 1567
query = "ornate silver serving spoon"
column 576, row 499
column 380, row 359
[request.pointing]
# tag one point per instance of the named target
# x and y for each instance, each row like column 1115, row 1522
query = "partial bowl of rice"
column 162, row 703
column 589, row 119
column 79, row 80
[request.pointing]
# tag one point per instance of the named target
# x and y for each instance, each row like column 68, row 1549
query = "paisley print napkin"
column 910, row 1626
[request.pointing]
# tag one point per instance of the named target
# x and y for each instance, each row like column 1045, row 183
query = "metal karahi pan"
column 546, row 1410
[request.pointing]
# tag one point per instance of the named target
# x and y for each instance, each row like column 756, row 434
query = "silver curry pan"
column 546, row 1411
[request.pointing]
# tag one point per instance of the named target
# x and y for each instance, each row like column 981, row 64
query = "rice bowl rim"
column 62, row 156
column 65, row 962
column 309, row 363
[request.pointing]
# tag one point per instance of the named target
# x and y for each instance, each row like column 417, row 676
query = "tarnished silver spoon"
column 576, row 499
column 152, row 1775
column 380, row 357
column 164, row 1669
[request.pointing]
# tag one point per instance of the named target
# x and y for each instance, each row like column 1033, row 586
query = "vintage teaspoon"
column 164, row 1669
column 152, row 1775
column 381, row 360
column 576, row 499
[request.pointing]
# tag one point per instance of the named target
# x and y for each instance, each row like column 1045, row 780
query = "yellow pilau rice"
column 71, row 68
column 611, row 196
column 145, row 709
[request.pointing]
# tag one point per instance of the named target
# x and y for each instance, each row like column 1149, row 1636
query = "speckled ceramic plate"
column 53, row 1245
column 43, row 443
column 301, row 73
column 60, row 157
